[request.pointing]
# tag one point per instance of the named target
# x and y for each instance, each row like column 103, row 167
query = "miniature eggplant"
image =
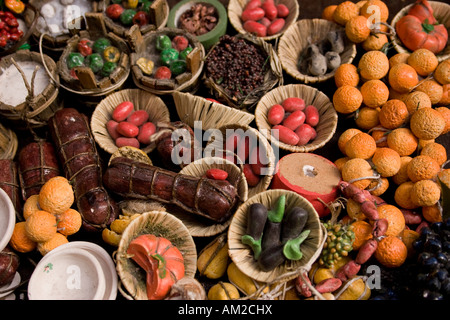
column 293, row 224
column 271, row 258
column 257, row 217
column 271, row 236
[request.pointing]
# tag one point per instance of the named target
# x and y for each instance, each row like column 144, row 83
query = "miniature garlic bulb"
column 187, row 289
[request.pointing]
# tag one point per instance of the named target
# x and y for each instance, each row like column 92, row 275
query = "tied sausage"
column 9, row 182
column 76, row 150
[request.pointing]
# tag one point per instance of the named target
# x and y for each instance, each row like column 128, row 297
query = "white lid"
column 7, row 219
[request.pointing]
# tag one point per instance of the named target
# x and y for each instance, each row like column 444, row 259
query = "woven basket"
column 144, row 46
column 295, row 40
column 235, row 8
column 213, row 146
column 273, row 77
column 158, row 15
column 242, row 255
column 8, row 143
column 56, row 43
column 35, row 112
column 191, row 108
column 441, row 11
column 198, row 168
column 90, row 84
column 161, row 224
column 141, row 100
column 312, row 96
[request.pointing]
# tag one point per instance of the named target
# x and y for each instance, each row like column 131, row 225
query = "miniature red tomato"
column 180, row 43
column 163, row 72
column 113, row 11
column 138, row 117
column 122, row 111
column 140, row 18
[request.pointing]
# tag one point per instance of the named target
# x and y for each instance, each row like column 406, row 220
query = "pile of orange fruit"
column 48, row 218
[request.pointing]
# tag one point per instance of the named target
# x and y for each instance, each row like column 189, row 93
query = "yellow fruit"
column 373, row 65
column 436, row 151
column 403, row 78
column 30, row 206
column 416, row 100
column 110, row 237
column 345, row 137
column 402, row 175
column 367, row 118
column 357, row 29
column 425, row 193
column 423, row 61
column 391, row 252
column 357, row 290
column 362, row 145
column 242, row 281
column 347, row 99
column 427, row 123
column 344, row 12
column 354, row 210
column 223, row 291
column 56, row 195
column 408, row 237
column 387, row 161
column 422, row 167
column 432, row 88
column 346, row 74
column 355, row 169
column 393, row 114
column 19, row 239
column 57, row 240
column 212, row 261
column 395, row 218
column 69, row 222
column 442, row 72
column 403, row 141
column 402, row 195
column 375, row 93
column 41, row 226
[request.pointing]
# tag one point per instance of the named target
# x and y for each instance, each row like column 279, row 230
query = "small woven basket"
column 192, row 108
column 441, row 11
column 8, row 143
column 36, row 109
column 235, row 8
column 160, row 224
column 273, row 76
column 327, row 114
column 141, row 100
column 217, row 146
column 295, row 40
column 145, row 46
column 242, row 255
column 198, row 168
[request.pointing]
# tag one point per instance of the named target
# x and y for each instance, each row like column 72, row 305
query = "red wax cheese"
column 311, row 176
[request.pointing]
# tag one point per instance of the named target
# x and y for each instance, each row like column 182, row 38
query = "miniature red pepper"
column 3, row 40
column 111, row 54
column 84, row 47
column 114, row 11
column 140, row 18
column 16, row 6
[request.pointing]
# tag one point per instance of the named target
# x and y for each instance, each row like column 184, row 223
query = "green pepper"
column 74, row 59
column 111, row 54
column 146, row 4
column 178, row 67
column 100, row 44
column 127, row 17
column 163, row 42
column 168, row 55
column 277, row 213
column 108, row 68
column 95, row 62
column 184, row 53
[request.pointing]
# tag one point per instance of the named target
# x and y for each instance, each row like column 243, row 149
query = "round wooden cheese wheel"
column 312, row 176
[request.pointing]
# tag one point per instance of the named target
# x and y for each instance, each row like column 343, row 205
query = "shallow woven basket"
column 327, row 114
column 242, row 255
column 191, row 108
column 441, row 11
column 34, row 113
column 8, row 143
column 295, row 40
column 235, row 8
column 145, row 46
column 198, row 168
column 273, row 77
column 158, row 13
column 141, row 100
column 265, row 181
column 161, row 224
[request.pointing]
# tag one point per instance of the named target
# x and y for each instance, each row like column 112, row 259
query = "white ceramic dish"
column 70, row 274
column 106, row 262
column 7, row 219
column 4, row 291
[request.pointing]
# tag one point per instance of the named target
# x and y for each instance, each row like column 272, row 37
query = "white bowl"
column 7, row 219
column 71, row 274
column 12, row 285
column 106, row 262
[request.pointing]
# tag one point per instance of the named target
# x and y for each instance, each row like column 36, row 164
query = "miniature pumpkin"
column 422, row 10
column 162, row 261
column 415, row 35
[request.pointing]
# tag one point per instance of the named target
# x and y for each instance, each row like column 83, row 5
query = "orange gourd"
column 162, row 261
column 422, row 10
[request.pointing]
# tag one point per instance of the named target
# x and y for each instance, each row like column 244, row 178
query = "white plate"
column 70, row 274
column 7, row 219
column 12, row 285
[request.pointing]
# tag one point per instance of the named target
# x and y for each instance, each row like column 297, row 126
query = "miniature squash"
column 162, row 261
column 422, row 10
column 415, row 35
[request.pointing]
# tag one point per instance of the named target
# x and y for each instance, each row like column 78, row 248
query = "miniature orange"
column 19, row 239
column 402, row 196
column 423, row 143
column 328, row 12
column 387, row 161
column 347, row 99
column 422, row 167
column 56, row 195
column 442, row 72
column 339, row 163
column 416, row 100
column 423, row 61
column 445, row 113
column 395, row 218
column 432, row 213
column 378, row 187
column 391, row 252
column 354, row 210
column 445, row 100
column 375, row 93
column 346, row 74
column 375, row 8
column 403, row 78
column 30, row 206
column 393, row 114
column 436, row 151
column 425, row 193
column 344, row 12
column 444, row 177
column 380, row 136
column 402, row 175
column 408, row 237
column 47, row 246
column 432, row 88
column 357, row 29
column 375, row 42
column 355, row 169
column 69, row 222
column 41, row 226
column 362, row 145
column 401, row 57
column 367, row 118
column 363, row 232
column 345, row 137
column 397, row 95
column 427, row 123
column 403, row 141
column 373, row 65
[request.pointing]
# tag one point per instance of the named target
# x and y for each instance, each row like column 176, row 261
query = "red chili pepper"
column 12, row 22
column 140, row 18
column 8, row 14
column 114, row 11
column 2, row 24
column 14, row 37
column 85, row 47
column 3, row 40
